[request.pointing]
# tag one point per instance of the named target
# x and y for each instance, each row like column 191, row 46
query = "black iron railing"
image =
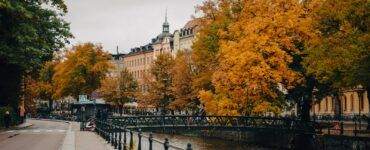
column 233, row 123
column 117, row 136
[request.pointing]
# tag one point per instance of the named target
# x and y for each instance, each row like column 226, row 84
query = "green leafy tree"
column 340, row 56
column 29, row 34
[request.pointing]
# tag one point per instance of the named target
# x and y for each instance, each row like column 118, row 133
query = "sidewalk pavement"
column 18, row 127
column 24, row 125
column 83, row 140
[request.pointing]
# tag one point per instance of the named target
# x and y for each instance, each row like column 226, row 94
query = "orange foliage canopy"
column 256, row 49
column 81, row 71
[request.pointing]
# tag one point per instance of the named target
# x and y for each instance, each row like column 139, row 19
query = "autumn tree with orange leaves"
column 182, row 72
column 118, row 90
column 81, row 72
column 159, row 82
column 45, row 84
column 255, row 50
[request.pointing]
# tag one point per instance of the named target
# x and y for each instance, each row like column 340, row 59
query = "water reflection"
column 198, row 143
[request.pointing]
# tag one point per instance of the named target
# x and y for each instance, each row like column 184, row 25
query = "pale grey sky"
column 126, row 23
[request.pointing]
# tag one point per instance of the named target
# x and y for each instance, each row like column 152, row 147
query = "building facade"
column 351, row 102
column 184, row 38
column 117, row 62
column 139, row 60
column 138, row 63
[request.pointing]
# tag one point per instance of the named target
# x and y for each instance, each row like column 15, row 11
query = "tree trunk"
column 305, row 140
column 368, row 98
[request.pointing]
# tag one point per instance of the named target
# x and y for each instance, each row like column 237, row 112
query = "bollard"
column 131, row 140
column 189, row 147
column 166, row 144
column 150, row 141
column 139, row 142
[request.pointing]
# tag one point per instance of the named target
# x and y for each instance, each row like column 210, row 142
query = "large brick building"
column 139, row 60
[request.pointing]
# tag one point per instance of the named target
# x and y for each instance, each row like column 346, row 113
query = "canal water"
column 198, row 143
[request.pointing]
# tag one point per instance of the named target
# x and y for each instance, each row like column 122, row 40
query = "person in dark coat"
column 7, row 119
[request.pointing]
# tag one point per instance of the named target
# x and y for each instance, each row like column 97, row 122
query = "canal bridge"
column 220, row 123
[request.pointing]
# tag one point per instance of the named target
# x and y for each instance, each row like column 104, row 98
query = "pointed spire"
column 165, row 19
column 166, row 25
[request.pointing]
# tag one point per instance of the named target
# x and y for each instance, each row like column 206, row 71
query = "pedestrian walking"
column 21, row 114
column 7, row 119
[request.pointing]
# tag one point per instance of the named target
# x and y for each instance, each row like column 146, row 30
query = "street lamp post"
column 82, row 111
column 314, row 93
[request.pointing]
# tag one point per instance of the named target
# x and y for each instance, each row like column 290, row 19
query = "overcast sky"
column 126, row 23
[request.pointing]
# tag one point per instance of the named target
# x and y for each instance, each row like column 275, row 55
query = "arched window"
column 361, row 103
column 326, row 104
column 344, row 102
column 333, row 104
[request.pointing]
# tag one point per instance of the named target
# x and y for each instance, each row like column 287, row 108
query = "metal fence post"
column 355, row 131
column 341, row 128
column 166, row 144
column 120, row 139
column 106, row 128
column 124, row 139
column 107, row 133
column 150, row 141
column 115, row 141
column 189, row 147
column 131, row 140
column 139, row 142
column 112, row 134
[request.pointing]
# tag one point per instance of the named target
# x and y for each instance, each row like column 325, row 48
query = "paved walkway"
column 83, row 140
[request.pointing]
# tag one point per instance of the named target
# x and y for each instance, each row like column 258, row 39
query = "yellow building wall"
column 350, row 105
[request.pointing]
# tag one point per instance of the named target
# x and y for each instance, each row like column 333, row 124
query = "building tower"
column 166, row 25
